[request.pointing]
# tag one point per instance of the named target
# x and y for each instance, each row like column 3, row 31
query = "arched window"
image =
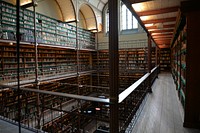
column 107, row 20
column 128, row 20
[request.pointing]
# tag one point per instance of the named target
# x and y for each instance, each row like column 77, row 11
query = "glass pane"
column 130, row 21
column 135, row 23
column 124, row 18
column 107, row 21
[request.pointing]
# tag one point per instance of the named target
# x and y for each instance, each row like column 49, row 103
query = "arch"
column 67, row 9
column 49, row 8
column 82, row 20
column 89, row 16
column 105, row 18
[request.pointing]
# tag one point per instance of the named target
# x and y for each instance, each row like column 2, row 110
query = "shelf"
column 50, row 31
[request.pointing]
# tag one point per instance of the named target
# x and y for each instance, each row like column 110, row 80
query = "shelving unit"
column 49, row 31
column 130, row 60
column 165, row 58
column 179, row 64
column 132, row 66
column 51, row 61
column 185, row 65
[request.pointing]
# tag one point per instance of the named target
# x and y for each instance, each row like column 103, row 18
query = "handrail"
column 123, row 95
column 130, row 89
column 87, row 98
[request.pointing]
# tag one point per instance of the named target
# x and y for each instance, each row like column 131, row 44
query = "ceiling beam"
column 160, row 35
column 163, row 46
column 160, row 20
column 163, row 42
column 164, row 26
column 159, row 11
column 162, row 38
column 138, row 1
column 162, row 31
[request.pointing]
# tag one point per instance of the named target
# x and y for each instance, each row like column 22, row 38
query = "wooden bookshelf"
column 51, row 61
column 165, row 58
column 185, row 65
column 48, row 30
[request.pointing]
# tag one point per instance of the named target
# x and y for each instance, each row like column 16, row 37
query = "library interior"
column 99, row 66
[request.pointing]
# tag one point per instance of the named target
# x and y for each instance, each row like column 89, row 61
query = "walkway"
column 162, row 112
column 6, row 127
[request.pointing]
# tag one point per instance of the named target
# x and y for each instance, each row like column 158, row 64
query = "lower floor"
column 162, row 112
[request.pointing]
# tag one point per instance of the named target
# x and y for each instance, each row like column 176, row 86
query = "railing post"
column 149, row 63
column 113, row 65
column 18, row 62
column 157, row 70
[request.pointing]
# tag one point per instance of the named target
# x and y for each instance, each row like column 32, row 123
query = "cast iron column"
column 113, row 65
column 149, row 62
column 36, row 64
column 18, row 64
column 156, row 55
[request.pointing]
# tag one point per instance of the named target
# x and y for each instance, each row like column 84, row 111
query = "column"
column 149, row 62
column 113, row 65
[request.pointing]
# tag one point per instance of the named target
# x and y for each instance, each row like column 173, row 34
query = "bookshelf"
column 48, row 30
column 179, row 64
column 185, row 65
column 132, row 66
column 165, row 58
column 51, row 61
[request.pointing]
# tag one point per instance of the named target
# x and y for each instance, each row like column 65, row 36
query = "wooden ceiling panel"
column 161, row 37
column 160, row 20
column 159, row 11
column 138, row 1
column 164, row 26
column 159, row 16
column 162, row 31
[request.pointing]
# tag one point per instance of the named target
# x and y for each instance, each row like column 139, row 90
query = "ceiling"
column 158, row 17
column 99, row 4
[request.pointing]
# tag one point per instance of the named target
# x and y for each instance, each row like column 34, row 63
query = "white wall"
column 46, row 7
column 49, row 8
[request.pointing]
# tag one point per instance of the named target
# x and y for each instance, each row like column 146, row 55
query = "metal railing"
column 125, row 44
column 64, row 112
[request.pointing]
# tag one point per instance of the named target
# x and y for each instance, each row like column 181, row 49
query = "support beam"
column 18, row 63
column 113, row 65
column 171, row 19
column 149, row 62
column 138, row 1
column 161, row 31
column 154, row 35
column 164, row 26
column 160, row 37
column 159, row 11
column 156, row 55
column 163, row 39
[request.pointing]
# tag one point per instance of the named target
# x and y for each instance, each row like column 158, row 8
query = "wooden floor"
column 162, row 111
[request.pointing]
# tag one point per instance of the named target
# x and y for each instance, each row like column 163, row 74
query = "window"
column 128, row 20
column 107, row 20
